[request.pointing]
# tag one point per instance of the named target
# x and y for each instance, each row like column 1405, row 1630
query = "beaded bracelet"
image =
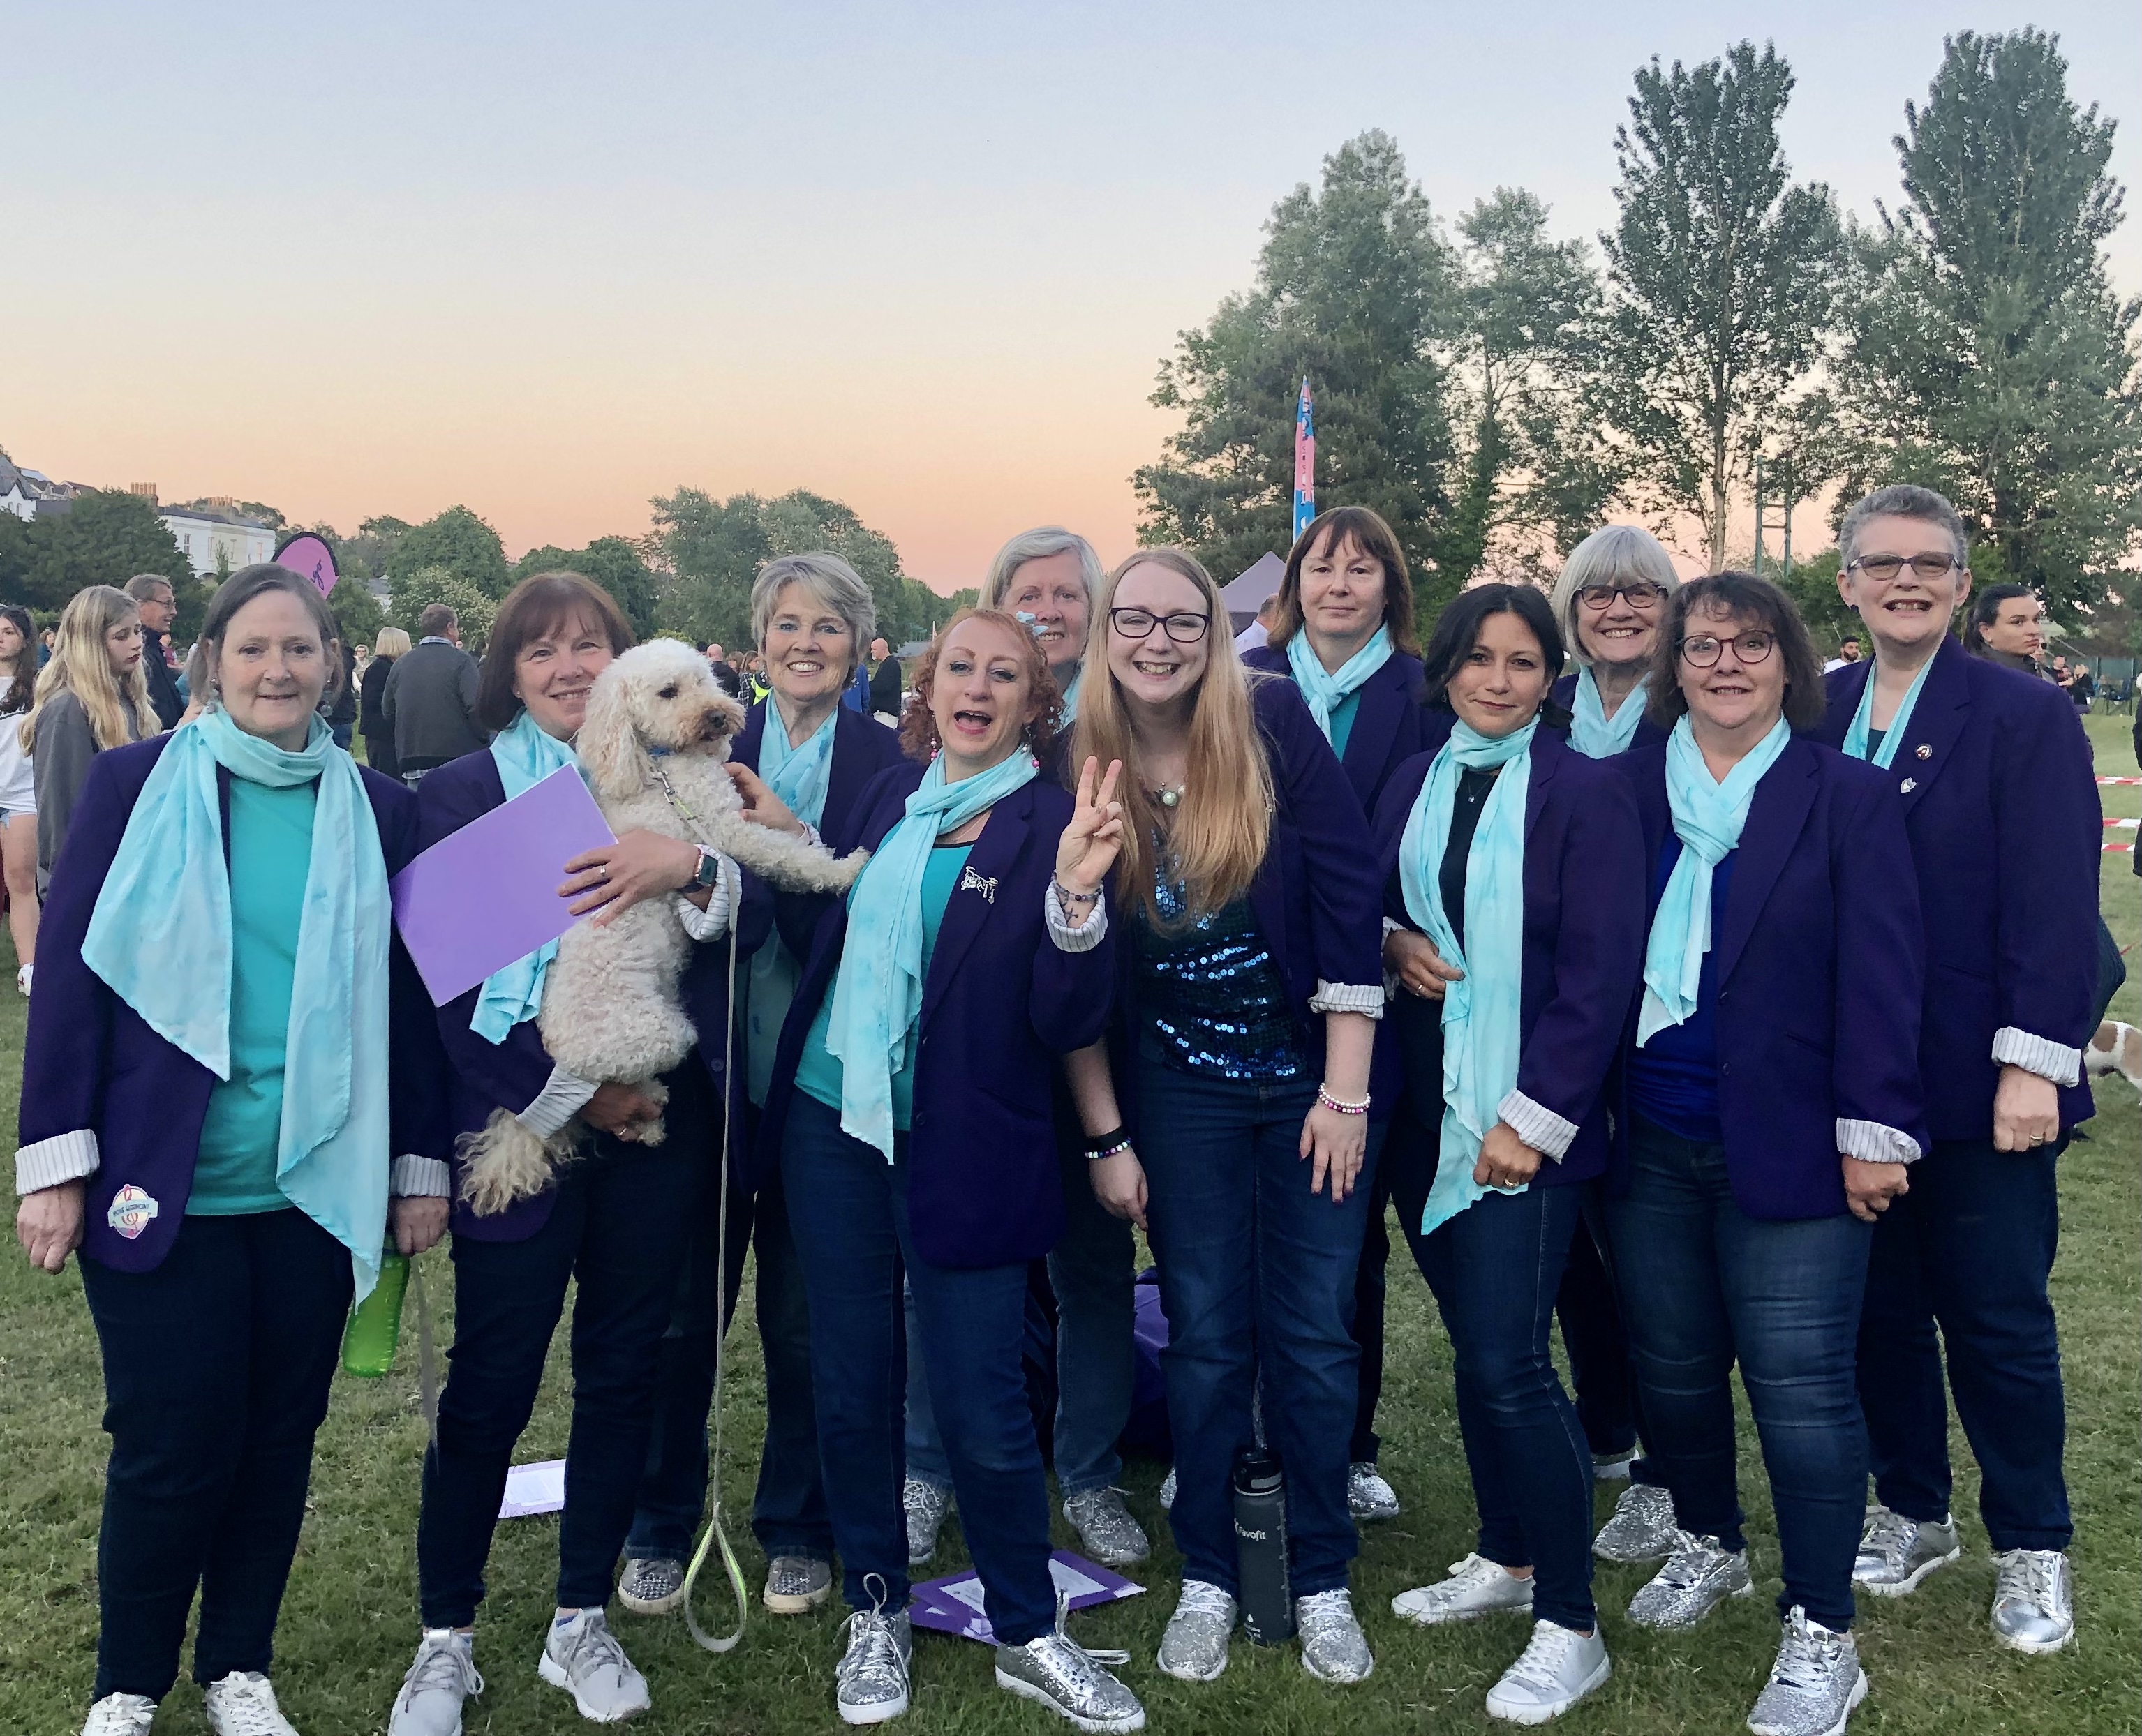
column 1340, row 1104
column 1117, row 1150
column 1069, row 897
column 1115, row 1138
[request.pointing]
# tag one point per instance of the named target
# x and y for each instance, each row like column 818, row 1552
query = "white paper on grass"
column 533, row 1489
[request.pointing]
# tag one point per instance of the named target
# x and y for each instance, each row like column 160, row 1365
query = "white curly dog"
column 652, row 746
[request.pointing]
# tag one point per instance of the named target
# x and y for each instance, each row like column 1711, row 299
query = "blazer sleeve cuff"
column 1873, row 1142
column 1366, row 999
column 2040, row 1055
column 1536, row 1124
column 63, row 1157
column 563, row 1095
column 1083, row 938
column 412, row 1177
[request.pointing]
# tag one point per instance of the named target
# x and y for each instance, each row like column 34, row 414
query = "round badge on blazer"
column 1923, row 751
column 132, row 1210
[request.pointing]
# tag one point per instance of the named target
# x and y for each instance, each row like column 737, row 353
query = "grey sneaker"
column 1334, row 1648
column 1814, row 1685
column 119, row 1714
column 582, row 1656
column 1194, row 1649
column 1643, row 1528
column 651, row 1584
column 1167, row 1490
column 1106, row 1529
column 927, row 1507
column 443, row 1677
column 2034, row 1599
column 1896, row 1553
column 870, row 1686
column 243, row 1703
column 1058, row 1673
column 1477, row 1586
column 1556, row 1668
column 1369, row 1496
column 1698, row 1576
column 796, row 1586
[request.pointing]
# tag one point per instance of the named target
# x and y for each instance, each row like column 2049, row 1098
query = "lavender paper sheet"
column 953, row 1604
column 488, row 894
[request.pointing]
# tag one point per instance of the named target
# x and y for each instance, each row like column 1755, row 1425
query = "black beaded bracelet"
column 1106, row 1145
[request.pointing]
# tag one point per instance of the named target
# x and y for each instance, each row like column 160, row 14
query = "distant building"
column 214, row 528
column 31, row 494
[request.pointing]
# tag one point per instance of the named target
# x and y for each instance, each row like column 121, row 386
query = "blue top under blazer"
column 93, row 1064
column 1002, row 1004
column 1563, row 694
column 484, row 1076
column 1583, row 952
column 863, row 747
column 1388, row 719
column 2000, row 801
column 1820, row 969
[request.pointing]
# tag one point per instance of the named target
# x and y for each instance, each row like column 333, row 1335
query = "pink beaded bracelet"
column 1340, row 1104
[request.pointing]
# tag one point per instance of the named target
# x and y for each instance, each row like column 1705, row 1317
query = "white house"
column 28, row 493
column 203, row 533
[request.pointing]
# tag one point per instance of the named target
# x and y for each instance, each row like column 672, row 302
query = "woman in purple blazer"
column 1514, row 909
column 222, row 886
column 1771, row 1112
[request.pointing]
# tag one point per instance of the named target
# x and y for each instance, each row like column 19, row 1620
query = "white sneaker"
column 1557, row 1669
column 1477, row 1586
column 121, row 1714
column 243, row 1704
column 582, row 1656
column 443, row 1677
column 22, row 988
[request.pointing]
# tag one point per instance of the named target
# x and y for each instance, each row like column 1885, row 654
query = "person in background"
column 2082, row 688
column 883, row 682
column 1342, row 631
column 91, row 697
column 157, row 605
column 1259, row 631
column 18, row 789
column 430, row 702
column 1049, row 578
column 1993, row 774
column 228, row 1184
column 46, row 640
column 388, row 645
column 342, row 706
column 725, row 671
column 2006, row 626
column 1847, row 654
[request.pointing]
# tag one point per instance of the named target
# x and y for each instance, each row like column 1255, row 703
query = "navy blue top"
column 1673, row 1079
column 1210, row 995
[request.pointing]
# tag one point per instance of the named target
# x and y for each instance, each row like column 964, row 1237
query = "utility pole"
column 1759, row 513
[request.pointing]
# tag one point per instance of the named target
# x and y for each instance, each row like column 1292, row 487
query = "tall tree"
column 1720, row 279
column 1991, row 358
column 615, row 563
column 416, row 588
column 460, row 542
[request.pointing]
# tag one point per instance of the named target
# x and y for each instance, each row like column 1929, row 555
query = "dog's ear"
column 609, row 746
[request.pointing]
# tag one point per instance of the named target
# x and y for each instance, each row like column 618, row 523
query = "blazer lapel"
column 987, row 879
column 1784, row 799
column 1547, row 750
column 845, row 780
column 744, row 750
column 1936, row 721
column 1375, row 722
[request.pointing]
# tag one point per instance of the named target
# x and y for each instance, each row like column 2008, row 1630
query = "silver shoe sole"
column 2034, row 1648
column 1912, row 1583
column 883, row 1713
column 650, row 1606
column 1851, row 1705
column 783, row 1603
column 1098, row 1726
column 1217, row 1670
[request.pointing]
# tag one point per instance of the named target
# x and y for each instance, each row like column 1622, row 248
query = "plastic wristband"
column 1340, row 1104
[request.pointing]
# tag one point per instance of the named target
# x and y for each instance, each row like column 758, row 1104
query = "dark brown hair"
column 534, row 609
column 1458, row 630
column 26, row 661
column 918, row 726
column 1328, row 532
column 1762, row 605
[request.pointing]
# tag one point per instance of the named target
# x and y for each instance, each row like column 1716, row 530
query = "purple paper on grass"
column 476, row 901
column 954, row 1604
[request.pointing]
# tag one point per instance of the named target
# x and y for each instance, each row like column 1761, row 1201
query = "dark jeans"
column 1703, row 1282
column 1256, row 1275
column 848, row 1208
column 1971, row 1246
column 1495, row 1269
column 1598, row 1343
column 619, row 1227
column 1370, row 1293
column 216, row 1369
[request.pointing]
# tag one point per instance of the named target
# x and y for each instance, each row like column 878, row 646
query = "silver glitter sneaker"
column 927, row 1507
column 2034, row 1599
column 796, row 1586
column 1334, row 1648
column 1056, row 1672
column 1896, row 1553
column 1641, row 1528
column 1698, row 1576
column 1194, row 1649
column 1477, row 1586
column 651, row 1584
column 1167, row 1490
column 1106, row 1530
column 870, row 1686
column 1556, row 1668
column 1814, row 1685
column 1369, row 1496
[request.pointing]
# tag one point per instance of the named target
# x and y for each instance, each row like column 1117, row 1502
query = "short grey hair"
column 1613, row 554
column 835, row 585
column 1039, row 545
column 1902, row 500
column 143, row 587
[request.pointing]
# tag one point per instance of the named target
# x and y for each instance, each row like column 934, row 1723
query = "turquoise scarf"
column 160, row 936
column 1483, row 1010
column 1071, row 695
column 1863, row 720
column 1707, row 817
column 524, row 755
column 1594, row 734
column 799, row 776
column 1324, row 688
column 878, row 994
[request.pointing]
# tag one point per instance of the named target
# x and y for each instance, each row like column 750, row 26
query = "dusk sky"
column 548, row 260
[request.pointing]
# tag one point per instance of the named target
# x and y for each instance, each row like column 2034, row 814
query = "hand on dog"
column 619, row 1110
column 761, row 806
column 1869, row 1187
column 641, row 865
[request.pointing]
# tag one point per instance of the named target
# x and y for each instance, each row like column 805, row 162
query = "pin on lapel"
column 1910, row 784
column 1924, row 751
column 984, row 883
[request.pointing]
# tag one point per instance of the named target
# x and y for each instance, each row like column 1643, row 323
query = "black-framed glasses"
column 1185, row 628
column 1638, row 593
column 1883, row 568
column 1701, row 649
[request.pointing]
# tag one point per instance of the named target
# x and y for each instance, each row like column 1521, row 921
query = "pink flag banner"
column 310, row 555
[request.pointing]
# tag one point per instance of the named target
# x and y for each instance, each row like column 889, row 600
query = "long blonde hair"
column 1215, row 838
column 82, row 665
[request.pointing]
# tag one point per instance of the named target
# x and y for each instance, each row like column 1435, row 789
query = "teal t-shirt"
column 818, row 1072
column 1342, row 721
column 271, row 849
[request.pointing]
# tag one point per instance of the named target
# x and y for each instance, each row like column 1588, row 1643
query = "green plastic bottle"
column 375, row 1323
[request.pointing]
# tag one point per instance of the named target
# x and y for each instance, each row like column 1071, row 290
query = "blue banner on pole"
column 1304, row 462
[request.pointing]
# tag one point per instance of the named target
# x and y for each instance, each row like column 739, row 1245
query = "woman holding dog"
column 231, row 1067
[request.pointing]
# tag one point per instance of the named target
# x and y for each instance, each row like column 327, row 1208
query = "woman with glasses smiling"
column 1608, row 600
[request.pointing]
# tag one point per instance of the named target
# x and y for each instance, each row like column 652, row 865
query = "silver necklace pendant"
column 1169, row 797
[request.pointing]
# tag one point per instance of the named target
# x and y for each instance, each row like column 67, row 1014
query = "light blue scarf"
column 1863, row 720
column 1482, row 1011
column 160, row 935
column 878, row 994
column 525, row 754
column 1323, row 689
column 1071, row 695
column 800, row 777
column 1594, row 734
column 1707, row 817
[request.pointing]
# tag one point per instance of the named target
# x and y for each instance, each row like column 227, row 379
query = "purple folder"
column 953, row 1604
column 476, row 901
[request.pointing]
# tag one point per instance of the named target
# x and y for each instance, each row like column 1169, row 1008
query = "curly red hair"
column 918, row 725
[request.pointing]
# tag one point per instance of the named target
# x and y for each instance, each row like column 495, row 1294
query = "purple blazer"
column 91, row 1063
column 1563, row 694
column 1003, row 1003
column 1388, row 719
column 863, row 747
column 2000, row 801
column 483, row 1075
column 1820, row 970
column 1584, row 935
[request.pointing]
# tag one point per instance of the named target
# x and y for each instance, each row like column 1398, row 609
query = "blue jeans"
column 1972, row 1246
column 1257, row 1275
column 848, row 1208
column 1702, row 1282
column 1495, row 1269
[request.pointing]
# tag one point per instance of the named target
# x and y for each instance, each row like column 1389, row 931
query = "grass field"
column 350, row 1623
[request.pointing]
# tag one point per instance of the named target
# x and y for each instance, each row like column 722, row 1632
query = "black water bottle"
column 1261, row 1548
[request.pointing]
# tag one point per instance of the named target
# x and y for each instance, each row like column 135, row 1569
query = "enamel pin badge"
column 132, row 1210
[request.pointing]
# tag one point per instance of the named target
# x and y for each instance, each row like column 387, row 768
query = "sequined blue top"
column 1212, row 994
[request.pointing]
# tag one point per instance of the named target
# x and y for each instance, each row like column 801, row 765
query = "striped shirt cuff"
column 63, row 1157
column 2040, row 1055
column 415, row 1178
column 1536, row 1124
column 563, row 1095
column 1873, row 1142
column 1366, row 999
column 712, row 923
column 1086, row 936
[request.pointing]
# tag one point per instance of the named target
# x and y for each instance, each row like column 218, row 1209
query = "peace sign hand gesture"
column 1087, row 848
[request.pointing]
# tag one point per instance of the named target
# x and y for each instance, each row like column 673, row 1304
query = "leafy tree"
column 358, row 614
column 458, row 541
column 267, row 516
column 103, row 538
column 369, row 553
column 615, row 563
column 1720, row 279
column 475, row 610
column 1991, row 358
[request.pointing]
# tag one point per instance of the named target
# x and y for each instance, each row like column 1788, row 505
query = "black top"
column 885, row 687
column 164, row 695
column 372, row 720
column 1474, row 784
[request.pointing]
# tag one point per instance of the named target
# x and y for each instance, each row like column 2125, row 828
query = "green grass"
column 349, row 1621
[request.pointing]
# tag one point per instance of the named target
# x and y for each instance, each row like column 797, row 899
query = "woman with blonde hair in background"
column 389, row 643
column 91, row 696
column 19, row 790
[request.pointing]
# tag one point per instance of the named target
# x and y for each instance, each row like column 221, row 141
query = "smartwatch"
column 709, row 874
